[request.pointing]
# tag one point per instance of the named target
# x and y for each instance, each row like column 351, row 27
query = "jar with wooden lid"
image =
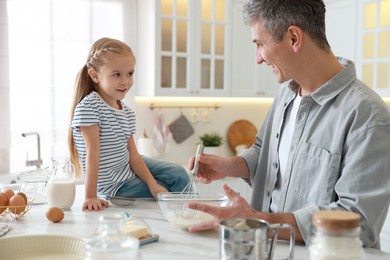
column 335, row 236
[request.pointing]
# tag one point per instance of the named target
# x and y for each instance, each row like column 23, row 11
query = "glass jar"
column 61, row 187
column 33, row 184
column 110, row 242
column 335, row 236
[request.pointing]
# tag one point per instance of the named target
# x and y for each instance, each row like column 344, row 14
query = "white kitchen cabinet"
column 216, row 58
column 183, row 48
column 179, row 52
column 357, row 30
column 248, row 78
column 340, row 20
column 360, row 31
column 373, row 41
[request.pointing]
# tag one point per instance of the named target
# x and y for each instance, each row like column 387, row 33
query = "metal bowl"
column 121, row 201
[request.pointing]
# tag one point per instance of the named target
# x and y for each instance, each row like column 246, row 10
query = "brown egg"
column 9, row 193
column 3, row 202
column 54, row 214
column 23, row 195
column 16, row 204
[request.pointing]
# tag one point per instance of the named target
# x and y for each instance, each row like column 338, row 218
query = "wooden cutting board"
column 241, row 132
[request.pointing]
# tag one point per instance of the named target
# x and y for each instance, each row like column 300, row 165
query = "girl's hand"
column 156, row 188
column 94, row 203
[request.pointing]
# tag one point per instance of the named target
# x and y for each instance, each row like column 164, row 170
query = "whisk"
column 190, row 189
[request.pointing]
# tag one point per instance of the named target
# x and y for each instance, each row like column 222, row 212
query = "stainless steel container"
column 248, row 239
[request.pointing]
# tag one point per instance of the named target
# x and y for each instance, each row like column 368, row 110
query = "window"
column 48, row 44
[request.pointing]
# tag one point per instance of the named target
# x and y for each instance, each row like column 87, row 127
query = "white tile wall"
column 219, row 120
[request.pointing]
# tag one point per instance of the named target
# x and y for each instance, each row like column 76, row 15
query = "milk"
column 61, row 188
column 61, row 194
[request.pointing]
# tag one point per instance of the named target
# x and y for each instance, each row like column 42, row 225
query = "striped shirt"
column 115, row 128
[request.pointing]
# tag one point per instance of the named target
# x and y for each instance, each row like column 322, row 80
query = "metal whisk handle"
column 199, row 151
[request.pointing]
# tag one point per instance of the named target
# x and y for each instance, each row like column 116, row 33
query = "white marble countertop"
column 174, row 243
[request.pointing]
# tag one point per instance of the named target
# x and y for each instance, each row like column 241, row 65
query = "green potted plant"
column 212, row 142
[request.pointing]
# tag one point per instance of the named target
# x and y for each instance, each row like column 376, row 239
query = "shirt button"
column 277, row 135
column 275, row 165
column 268, row 193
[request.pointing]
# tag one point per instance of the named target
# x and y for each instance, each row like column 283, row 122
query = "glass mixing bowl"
column 174, row 206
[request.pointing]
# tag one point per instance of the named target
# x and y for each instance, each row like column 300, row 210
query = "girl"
column 101, row 138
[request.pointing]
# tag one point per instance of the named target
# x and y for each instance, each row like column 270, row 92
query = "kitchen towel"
column 160, row 134
column 181, row 129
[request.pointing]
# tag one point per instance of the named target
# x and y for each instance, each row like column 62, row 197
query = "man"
column 325, row 143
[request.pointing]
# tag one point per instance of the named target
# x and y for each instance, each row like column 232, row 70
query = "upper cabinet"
column 183, row 48
column 203, row 48
column 340, row 24
column 197, row 48
column 360, row 31
column 248, row 79
column 373, row 50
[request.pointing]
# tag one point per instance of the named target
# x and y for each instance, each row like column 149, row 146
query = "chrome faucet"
column 38, row 161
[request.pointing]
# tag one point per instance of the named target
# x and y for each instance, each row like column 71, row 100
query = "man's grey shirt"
column 339, row 156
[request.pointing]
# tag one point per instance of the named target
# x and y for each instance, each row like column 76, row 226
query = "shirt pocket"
column 317, row 173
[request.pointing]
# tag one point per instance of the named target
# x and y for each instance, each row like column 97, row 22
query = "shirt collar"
column 334, row 86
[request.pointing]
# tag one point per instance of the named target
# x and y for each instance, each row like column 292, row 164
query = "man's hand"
column 239, row 208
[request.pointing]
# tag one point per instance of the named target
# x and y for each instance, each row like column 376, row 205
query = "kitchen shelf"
column 153, row 106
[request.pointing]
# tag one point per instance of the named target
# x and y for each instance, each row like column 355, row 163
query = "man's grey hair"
column 278, row 15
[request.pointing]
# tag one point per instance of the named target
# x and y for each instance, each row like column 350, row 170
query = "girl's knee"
column 179, row 170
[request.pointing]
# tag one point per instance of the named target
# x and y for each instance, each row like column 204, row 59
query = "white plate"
column 42, row 247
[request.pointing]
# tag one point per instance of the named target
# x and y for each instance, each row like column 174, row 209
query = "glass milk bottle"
column 335, row 236
column 61, row 187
